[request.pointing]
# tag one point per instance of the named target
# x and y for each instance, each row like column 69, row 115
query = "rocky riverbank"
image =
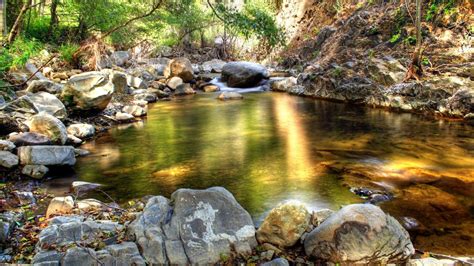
column 203, row 227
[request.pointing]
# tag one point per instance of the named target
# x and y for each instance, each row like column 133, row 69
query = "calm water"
column 273, row 147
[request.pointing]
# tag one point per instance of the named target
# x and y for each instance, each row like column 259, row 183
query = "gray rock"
column 7, row 224
column 49, row 126
column 136, row 82
column 29, row 139
column 60, row 205
column 82, row 186
column 81, row 130
column 277, row 262
column 81, row 152
column 35, row 171
column 198, row 228
column 73, row 140
column 8, row 159
column 120, row 58
column 48, row 103
column 213, row 66
column 360, row 233
column 123, row 117
column 148, row 97
column 6, row 145
column 25, row 197
column 184, row 89
column 119, row 79
column 47, row 155
column 461, row 103
column 23, row 105
column 284, row 85
column 90, row 91
column 135, row 110
column 320, row 216
column 43, row 257
column 44, row 85
column 243, row 74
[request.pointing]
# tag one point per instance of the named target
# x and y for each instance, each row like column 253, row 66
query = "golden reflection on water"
column 290, row 127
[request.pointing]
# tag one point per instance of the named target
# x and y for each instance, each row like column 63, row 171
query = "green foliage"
column 67, row 51
column 410, row 40
column 38, row 28
column 438, row 7
column 254, row 20
column 395, row 37
column 18, row 53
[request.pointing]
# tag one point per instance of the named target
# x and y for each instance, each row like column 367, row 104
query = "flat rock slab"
column 47, row 155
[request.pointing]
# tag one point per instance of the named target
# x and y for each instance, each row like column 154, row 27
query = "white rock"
column 81, row 130
column 60, row 205
column 6, row 145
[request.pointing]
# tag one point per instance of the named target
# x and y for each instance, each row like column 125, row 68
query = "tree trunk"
column 415, row 69
column 53, row 24
column 19, row 20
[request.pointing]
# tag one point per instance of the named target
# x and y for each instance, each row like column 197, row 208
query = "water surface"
column 272, row 147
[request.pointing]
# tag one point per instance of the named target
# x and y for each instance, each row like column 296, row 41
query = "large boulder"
column 195, row 227
column 47, row 155
column 48, row 103
column 49, row 126
column 284, row 225
column 119, row 79
column 362, row 234
column 22, row 105
column 90, row 91
column 180, row 67
column 243, row 74
column 44, row 85
column 81, row 130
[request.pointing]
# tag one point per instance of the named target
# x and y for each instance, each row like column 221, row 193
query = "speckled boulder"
column 360, row 234
column 284, row 225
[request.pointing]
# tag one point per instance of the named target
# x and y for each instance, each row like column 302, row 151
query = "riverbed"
column 272, row 147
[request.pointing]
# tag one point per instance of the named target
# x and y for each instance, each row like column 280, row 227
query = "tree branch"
column 156, row 5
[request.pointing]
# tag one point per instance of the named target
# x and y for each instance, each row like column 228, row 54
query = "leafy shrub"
column 18, row 53
column 67, row 51
column 38, row 28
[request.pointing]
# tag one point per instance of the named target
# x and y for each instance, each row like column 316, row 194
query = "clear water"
column 272, row 147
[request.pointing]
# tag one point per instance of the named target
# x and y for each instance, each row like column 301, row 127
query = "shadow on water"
column 273, row 147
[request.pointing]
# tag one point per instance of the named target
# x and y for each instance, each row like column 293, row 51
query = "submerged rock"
column 243, row 74
column 47, row 155
column 284, row 225
column 49, row 126
column 198, row 228
column 360, row 233
column 230, row 95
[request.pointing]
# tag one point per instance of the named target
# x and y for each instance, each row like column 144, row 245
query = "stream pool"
column 273, row 147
